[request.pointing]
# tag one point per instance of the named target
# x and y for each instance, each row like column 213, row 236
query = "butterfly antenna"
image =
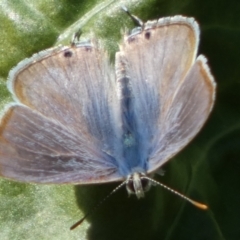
column 97, row 206
column 135, row 19
column 195, row 203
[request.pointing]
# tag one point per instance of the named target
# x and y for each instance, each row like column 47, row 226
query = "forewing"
column 72, row 85
column 73, row 89
column 156, row 61
column 190, row 108
column 34, row 148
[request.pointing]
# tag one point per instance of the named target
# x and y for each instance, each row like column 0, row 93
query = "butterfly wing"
column 61, row 128
column 172, row 92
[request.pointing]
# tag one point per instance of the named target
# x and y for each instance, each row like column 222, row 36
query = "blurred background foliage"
column 208, row 170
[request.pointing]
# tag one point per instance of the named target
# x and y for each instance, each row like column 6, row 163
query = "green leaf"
column 208, row 170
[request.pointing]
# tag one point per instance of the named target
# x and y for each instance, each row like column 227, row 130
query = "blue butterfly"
column 76, row 119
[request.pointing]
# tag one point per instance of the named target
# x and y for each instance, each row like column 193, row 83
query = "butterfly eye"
column 146, row 184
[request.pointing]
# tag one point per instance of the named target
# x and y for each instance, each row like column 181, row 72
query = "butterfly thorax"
column 133, row 151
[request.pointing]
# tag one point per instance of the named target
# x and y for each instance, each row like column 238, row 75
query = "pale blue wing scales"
column 190, row 108
column 34, row 148
column 74, row 86
column 155, row 62
column 71, row 87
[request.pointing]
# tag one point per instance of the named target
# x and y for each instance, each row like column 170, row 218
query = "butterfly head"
column 138, row 184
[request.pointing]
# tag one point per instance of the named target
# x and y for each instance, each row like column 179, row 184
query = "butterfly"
column 78, row 119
